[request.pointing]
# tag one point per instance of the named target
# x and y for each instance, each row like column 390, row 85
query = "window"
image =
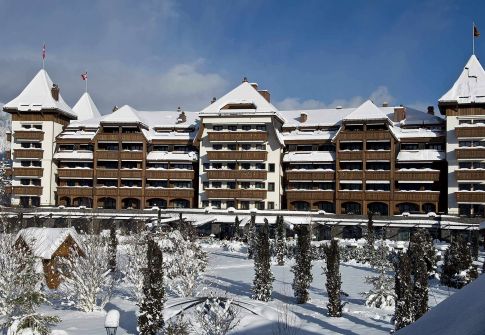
column 217, row 146
column 246, row 127
column 231, row 147
column 351, row 146
column 260, row 146
column 259, row 205
column 246, row 146
column 244, row 205
column 271, row 205
column 435, row 146
column 245, row 166
column 245, row 185
column 205, row 184
column 37, row 126
column 409, row 146
column 182, row 148
column 205, row 203
column 259, row 185
column 230, row 203
column 271, row 187
column 232, row 127
column 216, row 184
column 217, row 166
column 260, row 166
column 207, row 166
column 216, row 204
column 271, row 167
column 160, row 148
column 217, row 128
column 231, row 185
column 261, row 127
column 231, row 166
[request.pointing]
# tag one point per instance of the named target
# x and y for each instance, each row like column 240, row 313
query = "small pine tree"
column 421, row 247
column 475, row 244
column 303, row 265
column 251, row 236
column 334, row 280
column 263, row 277
column 369, row 249
column 404, row 314
column 457, row 259
column 280, row 241
column 150, row 318
column 420, row 289
column 112, row 248
column 235, row 229
column 422, row 255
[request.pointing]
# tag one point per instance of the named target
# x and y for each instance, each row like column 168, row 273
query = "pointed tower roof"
column 470, row 85
column 244, row 95
column 124, row 115
column 367, row 111
column 85, row 108
column 37, row 96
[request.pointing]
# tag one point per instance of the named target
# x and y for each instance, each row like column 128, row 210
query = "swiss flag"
column 84, row 76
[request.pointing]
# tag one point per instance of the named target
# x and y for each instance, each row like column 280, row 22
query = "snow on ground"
column 230, row 274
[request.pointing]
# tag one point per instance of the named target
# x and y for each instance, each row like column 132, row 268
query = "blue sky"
column 158, row 55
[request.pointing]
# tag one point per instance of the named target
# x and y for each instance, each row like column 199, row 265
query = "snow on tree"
column 457, row 264
column 20, row 301
column 369, row 249
column 404, row 313
column 235, row 228
column 475, row 244
column 178, row 326
column 303, row 264
column 334, row 279
column 280, row 245
column 87, row 278
column 184, row 264
column 216, row 317
column 421, row 247
column 150, row 317
column 251, row 236
column 132, row 270
column 263, row 277
column 381, row 295
column 112, row 248
column 186, row 229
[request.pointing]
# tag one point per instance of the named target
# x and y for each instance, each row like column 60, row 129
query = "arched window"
column 407, row 207
column 351, row 208
column 326, row 206
column 352, row 232
column 429, row 208
column 378, row 208
column 300, row 206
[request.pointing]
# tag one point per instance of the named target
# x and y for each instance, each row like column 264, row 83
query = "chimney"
column 303, row 117
column 213, row 100
column 245, row 80
column 115, row 108
column 399, row 114
column 385, row 104
column 182, row 117
column 55, row 92
column 431, row 110
column 338, row 107
column 254, row 85
column 265, row 94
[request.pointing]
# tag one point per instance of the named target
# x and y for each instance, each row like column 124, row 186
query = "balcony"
column 75, row 173
column 106, row 191
column 470, row 132
column 73, row 191
column 351, row 175
column 108, row 137
column 470, row 153
column 235, row 194
column 132, row 155
column 105, row 154
column 8, row 172
column 417, row 175
column 169, row 193
column 378, row 155
column 130, row 173
column 130, row 192
column 28, row 153
column 413, row 196
column 107, row 173
column 309, row 175
column 28, row 135
column 476, row 197
column 350, row 155
column 350, row 195
column 314, row 195
column 232, row 136
column 377, row 175
column 237, row 155
column 364, row 135
column 27, row 190
column 27, row 172
column 237, row 174
column 377, row 195
column 170, row 174
column 470, row 175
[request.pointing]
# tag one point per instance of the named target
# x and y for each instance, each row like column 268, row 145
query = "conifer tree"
column 235, row 230
column 150, row 318
column 475, row 244
column 334, row 280
column 403, row 314
column 457, row 259
column 422, row 255
column 112, row 248
column 251, row 236
column 421, row 247
column 263, row 277
column 303, row 265
column 370, row 239
column 280, row 241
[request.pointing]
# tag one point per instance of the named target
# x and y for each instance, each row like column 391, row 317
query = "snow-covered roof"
column 470, row 85
column 172, row 156
column 37, row 96
column 366, row 111
column 77, row 134
column 44, row 242
column 424, row 155
column 296, row 135
column 168, row 119
column 315, row 117
column 415, row 117
column 75, row 154
column 124, row 115
column 243, row 94
column 309, row 156
column 416, row 132
column 85, row 108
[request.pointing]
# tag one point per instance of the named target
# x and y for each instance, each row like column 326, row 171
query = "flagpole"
column 473, row 37
column 86, row 82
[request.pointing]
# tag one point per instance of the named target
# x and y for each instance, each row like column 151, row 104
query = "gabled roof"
column 124, row 115
column 37, row 96
column 85, row 108
column 366, row 111
column 243, row 95
column 470, row 85
column 44, row 242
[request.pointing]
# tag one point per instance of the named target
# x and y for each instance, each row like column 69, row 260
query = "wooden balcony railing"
column 130, row 192
column 168, row 174
column 105, row 154
column 427, row 196
column 476, row 197
column 75, row 173
column 310, row 175
column 28, row 153
column 351, row 175
column 417, row 175
column 129, row 173
column 377, row 196
column 233, row 136
column 350, row 195
column 27, row 190
column 470, row 175
column 237, row 174
column 107, row 173
column 106, row 191
column 314, row 195
column 28, row 135
column 378, row 155
column 28, row 172
column 470, row 153
column 73, row 191
column 132, row 155
column 108, row 137
column 377, row 175
column 350, row 155
column 139, row 137
column 237, row 155
column 470, row 132
column 169, row 193
column 235, row 194
column 364, row 135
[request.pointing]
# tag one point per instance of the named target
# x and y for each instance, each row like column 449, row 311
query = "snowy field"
column 230, row 274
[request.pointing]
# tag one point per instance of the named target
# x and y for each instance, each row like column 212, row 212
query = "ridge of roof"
column 366, row 111
column 85, row 108
column 125, row 114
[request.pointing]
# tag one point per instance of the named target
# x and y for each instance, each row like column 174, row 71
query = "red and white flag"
column 43, row 52
column 84, row 76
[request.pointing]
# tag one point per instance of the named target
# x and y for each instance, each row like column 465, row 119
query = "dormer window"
column 261, row 127
column 239, row 106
